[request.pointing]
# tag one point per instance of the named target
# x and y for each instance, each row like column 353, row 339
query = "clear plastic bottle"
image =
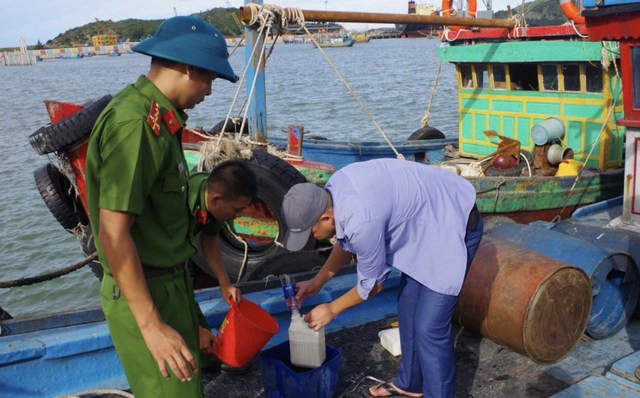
column 307, row 346
column 289, row 291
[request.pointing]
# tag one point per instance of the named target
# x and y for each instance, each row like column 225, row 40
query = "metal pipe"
column 369, row 17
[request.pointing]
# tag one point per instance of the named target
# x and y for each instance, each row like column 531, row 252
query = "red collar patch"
column 153, row 119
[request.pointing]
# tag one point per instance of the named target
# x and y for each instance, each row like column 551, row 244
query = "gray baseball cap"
column 301, row 208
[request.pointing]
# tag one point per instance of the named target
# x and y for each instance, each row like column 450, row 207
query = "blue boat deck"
column 73, row 352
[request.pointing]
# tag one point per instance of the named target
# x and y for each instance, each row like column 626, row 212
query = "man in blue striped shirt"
column 419, row 219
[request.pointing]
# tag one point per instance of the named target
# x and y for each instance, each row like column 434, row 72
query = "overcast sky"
column 43, row 20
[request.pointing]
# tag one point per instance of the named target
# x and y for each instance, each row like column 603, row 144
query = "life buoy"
column 448, row 11
column 571, row 12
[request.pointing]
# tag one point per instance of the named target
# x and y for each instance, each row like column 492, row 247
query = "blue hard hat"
column 192, row 41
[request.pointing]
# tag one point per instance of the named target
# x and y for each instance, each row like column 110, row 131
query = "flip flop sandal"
column 392, row 391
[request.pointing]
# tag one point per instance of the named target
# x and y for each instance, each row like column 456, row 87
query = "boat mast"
column 257, row 105
column 257, row 116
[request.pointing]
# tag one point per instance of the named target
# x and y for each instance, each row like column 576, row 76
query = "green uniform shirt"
column 135, row 164
column 202, row 220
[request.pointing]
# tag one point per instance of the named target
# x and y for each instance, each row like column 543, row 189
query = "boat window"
column 499, row 77
column 594, row 78
column 482, row 76
column 571, row 74
column 635, row 62
column 549, row 77
column 466, row 81
column 524, row 76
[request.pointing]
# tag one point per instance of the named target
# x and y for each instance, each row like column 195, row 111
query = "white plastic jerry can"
column 308, row 349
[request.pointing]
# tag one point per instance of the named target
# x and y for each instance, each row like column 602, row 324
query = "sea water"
column 392, row 77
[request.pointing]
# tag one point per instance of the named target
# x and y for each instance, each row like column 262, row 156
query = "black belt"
column 154, row 272
column 474, row 219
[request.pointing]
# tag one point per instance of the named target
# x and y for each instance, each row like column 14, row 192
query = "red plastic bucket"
column 244, row 331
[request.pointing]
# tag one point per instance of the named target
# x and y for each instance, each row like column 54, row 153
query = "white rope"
column 245, row 257
column 446, row 32
column 425, row 119
column 353, row 94
column 584, row 165
column 528, row 164
column 573, row 25
column 296, row 16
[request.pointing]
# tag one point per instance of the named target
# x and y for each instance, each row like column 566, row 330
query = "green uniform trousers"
column 173, row 297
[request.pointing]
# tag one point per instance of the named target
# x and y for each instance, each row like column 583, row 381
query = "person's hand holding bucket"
column 243, row 333
column 206, row 340
column 229, row 293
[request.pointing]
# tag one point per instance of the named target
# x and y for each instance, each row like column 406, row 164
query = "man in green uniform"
column 136, row 179
column 214, row 198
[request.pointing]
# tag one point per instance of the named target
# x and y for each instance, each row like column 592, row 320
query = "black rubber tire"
column 69, row 131
column 60, row 197
column 289, row 263
column 275, row 177
column 426, row 133
column 88, row 247
column 233, row 126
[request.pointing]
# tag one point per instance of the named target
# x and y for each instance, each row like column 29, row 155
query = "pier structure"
column 19, row 57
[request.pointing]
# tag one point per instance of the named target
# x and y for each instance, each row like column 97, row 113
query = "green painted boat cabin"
column 510, row 86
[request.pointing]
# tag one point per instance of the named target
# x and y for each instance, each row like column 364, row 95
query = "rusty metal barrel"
column 528, row 302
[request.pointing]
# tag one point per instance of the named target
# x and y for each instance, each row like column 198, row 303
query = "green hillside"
column 138, row 29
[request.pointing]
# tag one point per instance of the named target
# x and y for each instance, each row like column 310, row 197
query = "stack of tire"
column 58, row 191
column 57, row 187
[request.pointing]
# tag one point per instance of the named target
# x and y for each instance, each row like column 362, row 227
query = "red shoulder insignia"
column 153, row 119
column 201, row 215
column 172, row 122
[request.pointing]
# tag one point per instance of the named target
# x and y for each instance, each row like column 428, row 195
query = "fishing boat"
column 331, row 42
column 362, row 37
column 537, row 110
column 512, row 92
column 420, row 30
column 71, row 353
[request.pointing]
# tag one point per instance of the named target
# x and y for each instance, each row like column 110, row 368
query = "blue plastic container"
column 281, row 379
column 613, row 276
